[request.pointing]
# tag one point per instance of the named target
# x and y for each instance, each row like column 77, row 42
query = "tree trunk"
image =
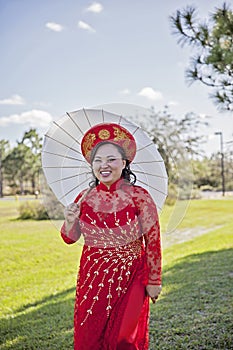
column 33, row 184
column 21, row 184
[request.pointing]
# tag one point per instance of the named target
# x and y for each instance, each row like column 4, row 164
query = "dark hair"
column 126, row 174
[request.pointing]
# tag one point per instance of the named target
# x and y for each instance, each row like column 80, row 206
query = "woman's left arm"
column 153, row 253
column 149, row 220
column 154, row 261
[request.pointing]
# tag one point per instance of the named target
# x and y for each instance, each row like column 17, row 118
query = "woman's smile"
column 105, row 173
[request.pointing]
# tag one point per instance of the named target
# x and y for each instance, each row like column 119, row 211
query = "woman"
column 120, row 266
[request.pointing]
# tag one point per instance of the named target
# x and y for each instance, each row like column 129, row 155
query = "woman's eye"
column 108, row 160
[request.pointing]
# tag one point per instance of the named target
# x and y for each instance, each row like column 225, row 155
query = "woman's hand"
column 71, row 213
column 70, row 230
column 153, row 291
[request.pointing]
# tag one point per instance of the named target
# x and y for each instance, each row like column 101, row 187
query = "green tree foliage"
column 207, row 172
column 32, row 140
column 18, row 165
column 212, row 63
column 23, row 161
column 4, row 149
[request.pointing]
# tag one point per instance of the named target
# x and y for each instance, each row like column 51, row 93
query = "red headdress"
column 108, row 132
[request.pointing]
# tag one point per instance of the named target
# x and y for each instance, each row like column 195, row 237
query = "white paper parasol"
column 67, row 172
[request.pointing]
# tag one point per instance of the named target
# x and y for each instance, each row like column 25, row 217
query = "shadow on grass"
column 195, row 311
column 51, row 298
column 46, row 324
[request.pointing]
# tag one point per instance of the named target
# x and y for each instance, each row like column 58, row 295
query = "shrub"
column 172, row 194
column 54, row 209
column 32, row 210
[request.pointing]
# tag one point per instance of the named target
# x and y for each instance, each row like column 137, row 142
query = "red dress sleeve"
column 148, row 217
column 74, row 232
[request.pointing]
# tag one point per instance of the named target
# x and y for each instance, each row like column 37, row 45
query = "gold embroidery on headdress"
column 127, row 146
column 104, row 134
column 88, row 142
column 119, row 134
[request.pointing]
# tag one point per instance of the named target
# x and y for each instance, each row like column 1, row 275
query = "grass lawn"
column 38, row 274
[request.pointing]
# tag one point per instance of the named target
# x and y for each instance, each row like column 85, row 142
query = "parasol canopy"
column 68, row 173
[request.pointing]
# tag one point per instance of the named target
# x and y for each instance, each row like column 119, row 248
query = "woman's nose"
column 104, row 164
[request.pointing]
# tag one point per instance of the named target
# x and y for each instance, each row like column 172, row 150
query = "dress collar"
column 116, row 185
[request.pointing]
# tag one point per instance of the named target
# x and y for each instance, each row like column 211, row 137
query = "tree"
column 177, row 141
column 17, row 165
column 207, row 172
column 174, row 137
column 212, row 64
column 23, row 162
column 4, row 148
column 229, row 163
column 32, row 140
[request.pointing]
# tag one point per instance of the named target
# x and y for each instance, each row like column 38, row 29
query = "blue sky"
column 62, row 55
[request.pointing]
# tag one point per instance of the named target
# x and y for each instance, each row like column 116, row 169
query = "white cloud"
column 173, row 103
column 33, row 118
column 56, row 27
column 125, row 92
column 85, row 26
column 95, row 7
column 13, row 100
column 151, row 94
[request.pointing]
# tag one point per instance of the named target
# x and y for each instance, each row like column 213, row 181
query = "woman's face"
column 108, row 164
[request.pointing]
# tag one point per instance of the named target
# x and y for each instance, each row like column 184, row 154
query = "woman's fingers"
column 71, row 212
column 153, row 292
column 154, row 299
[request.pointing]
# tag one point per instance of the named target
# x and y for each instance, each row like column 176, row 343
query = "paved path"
column 180, row 236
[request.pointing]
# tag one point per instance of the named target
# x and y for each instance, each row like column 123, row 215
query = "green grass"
column 198, row 213
column 38, row 275
column 195, row 309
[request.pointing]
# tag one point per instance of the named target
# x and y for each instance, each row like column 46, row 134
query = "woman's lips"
column 105, row 173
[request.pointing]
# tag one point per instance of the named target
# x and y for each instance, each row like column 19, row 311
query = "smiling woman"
column 120, row 266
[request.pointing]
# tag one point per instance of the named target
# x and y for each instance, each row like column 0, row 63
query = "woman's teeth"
column 105, row 173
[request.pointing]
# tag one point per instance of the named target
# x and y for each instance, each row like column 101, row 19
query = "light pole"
column 222, row 161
